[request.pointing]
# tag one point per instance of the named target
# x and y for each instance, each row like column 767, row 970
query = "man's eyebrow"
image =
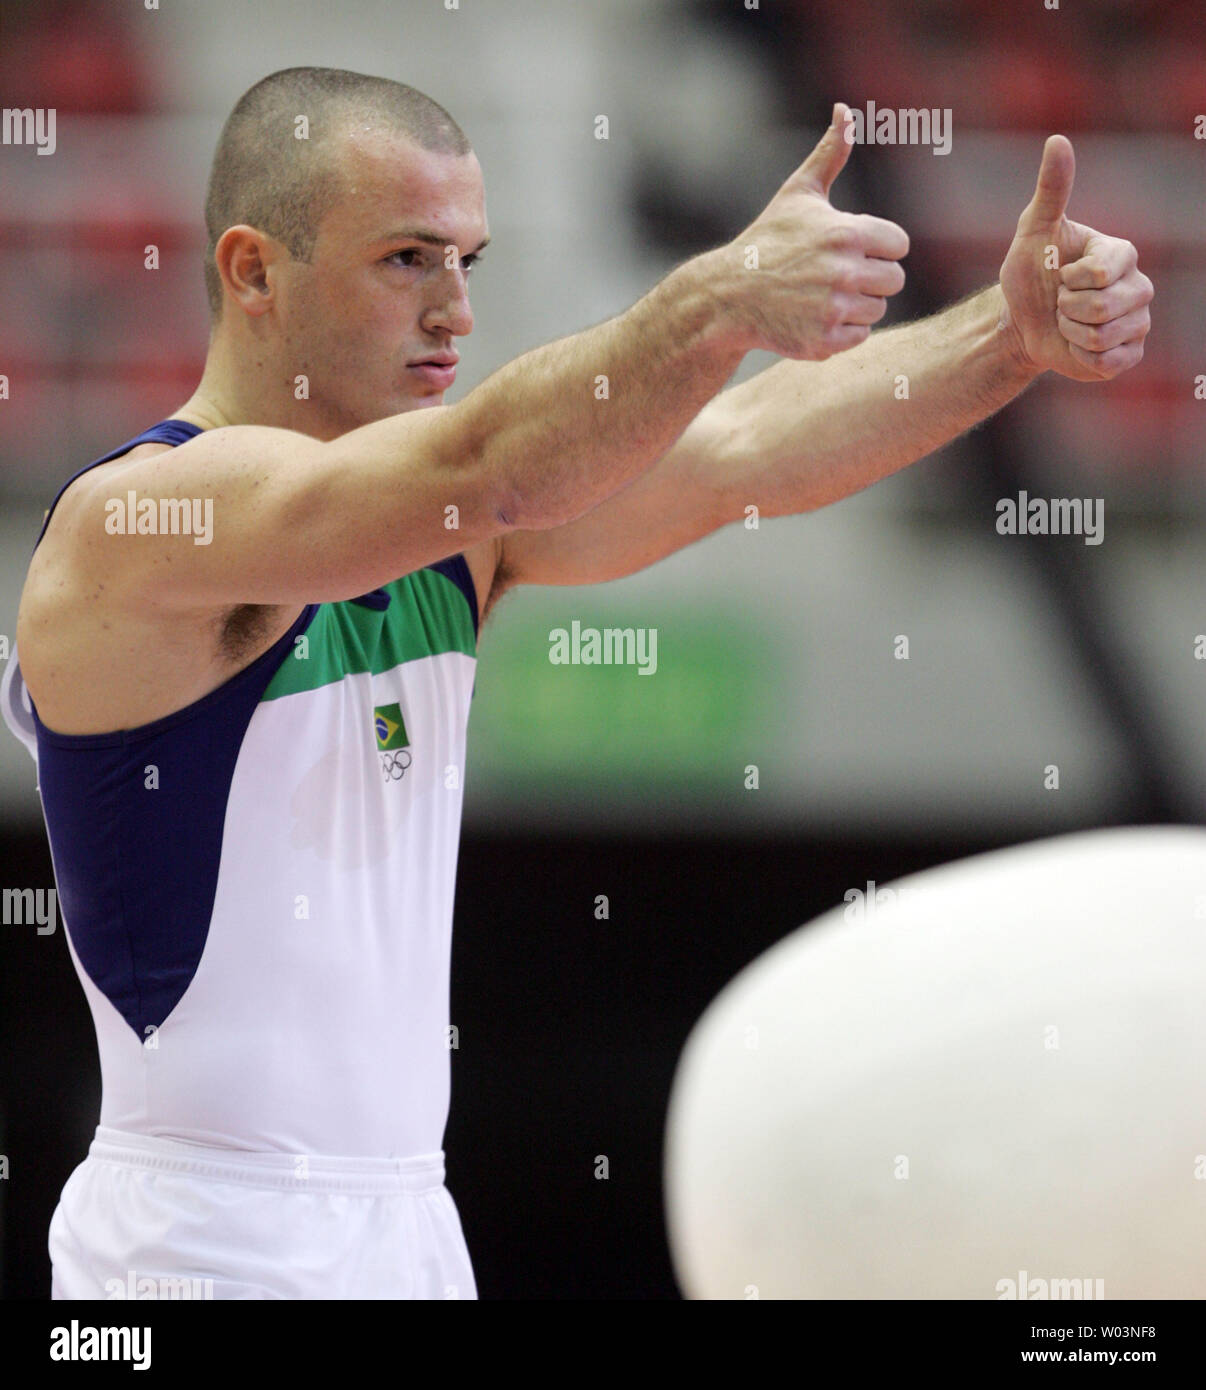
column 431, row 238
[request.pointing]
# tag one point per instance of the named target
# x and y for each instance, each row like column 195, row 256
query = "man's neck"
column 198, row 411
column 243, row 388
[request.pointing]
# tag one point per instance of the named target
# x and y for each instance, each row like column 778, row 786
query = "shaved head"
column 280, row 174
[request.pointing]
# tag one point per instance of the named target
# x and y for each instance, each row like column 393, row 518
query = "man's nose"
column 450, row 309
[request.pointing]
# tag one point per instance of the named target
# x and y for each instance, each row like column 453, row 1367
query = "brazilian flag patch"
column 390, row 730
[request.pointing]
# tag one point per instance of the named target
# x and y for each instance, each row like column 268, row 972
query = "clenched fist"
column 816, row 278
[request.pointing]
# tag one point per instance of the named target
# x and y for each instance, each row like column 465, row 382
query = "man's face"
column 385, row 288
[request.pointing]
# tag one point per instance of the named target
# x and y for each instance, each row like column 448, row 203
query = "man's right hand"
column 822, row 276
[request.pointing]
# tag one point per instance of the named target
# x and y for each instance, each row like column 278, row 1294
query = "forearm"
column 562, row 428
column 803, row 434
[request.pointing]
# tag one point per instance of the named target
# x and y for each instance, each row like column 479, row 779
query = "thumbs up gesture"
column 1075, row 300
column 805, row 280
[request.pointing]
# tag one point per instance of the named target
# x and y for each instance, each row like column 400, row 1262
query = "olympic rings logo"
column 394, row 765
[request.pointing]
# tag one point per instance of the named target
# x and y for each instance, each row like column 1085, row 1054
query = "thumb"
column 827, row 160
column 1054, row 186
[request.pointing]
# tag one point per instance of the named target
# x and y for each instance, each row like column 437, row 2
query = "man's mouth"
column 439, row 369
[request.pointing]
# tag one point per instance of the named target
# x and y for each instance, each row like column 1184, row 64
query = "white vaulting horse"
column 1000, row 1069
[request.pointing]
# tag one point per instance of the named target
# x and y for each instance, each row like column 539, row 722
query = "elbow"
column 507, row 510
column 513, row 510
column 475, row 459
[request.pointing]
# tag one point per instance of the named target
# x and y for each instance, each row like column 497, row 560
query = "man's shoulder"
column 89, row 627
column 81, row 491
column 70, row 549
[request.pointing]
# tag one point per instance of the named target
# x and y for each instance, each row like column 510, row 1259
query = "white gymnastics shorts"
column 159, row 1219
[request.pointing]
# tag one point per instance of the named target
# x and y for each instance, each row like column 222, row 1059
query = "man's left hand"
column 1087, row 317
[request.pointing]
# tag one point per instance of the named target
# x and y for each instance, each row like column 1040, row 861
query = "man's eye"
column 415, row 255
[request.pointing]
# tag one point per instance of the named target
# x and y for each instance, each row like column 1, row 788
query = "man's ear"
column 243, row 255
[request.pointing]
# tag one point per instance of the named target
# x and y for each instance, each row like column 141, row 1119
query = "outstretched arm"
column 803, row 434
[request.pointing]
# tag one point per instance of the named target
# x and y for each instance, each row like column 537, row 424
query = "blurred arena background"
column 775, row 646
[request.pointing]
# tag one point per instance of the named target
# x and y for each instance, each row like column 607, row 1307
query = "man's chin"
column 424, row 402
